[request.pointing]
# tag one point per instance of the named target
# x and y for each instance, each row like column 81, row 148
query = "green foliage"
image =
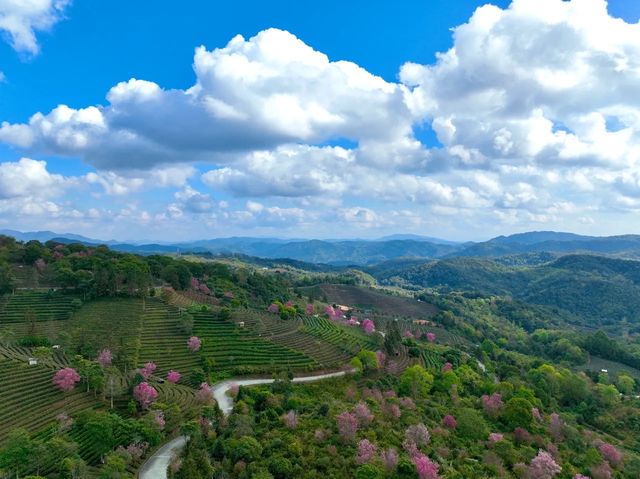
column 416, row 382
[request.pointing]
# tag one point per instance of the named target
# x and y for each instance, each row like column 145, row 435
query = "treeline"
column 97, row 271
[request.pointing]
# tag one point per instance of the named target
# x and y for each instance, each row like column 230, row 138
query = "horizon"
column 425, row 237
column 292, row 121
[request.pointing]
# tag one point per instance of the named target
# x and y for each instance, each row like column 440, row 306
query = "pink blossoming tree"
column 449, row 422
column 389, row 459
column 194, row 344
column 543, row 466
column 425, row 467
column 431, row 337
column 368, row 326
column 366, row 451
column 363, row 413
column 290, row 420
column 347, row 426
column 105, row 358
column 66, row 379
column 173, row 376
column 145, row 394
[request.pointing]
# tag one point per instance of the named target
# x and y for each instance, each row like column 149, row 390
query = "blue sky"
column 464, row 147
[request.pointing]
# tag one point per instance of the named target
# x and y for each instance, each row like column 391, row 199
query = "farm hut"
column 33, row 361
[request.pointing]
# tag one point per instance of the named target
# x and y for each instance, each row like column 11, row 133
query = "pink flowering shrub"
column 555, row 427
column 449, row 422
column 204, row 289
column 431, row 337
column 308, row 309
column 105, row 358
column 389, row 459
column 495, row 437
column 173, row 376
column 392, row 410
column 194, row 344
column 368, row 326
column 408, row 403
column 381, row 357
column 145, row 394
column 611, row 454
column 204, row 393
column 536, row 414
column 425, row 467
column 366, row 451
column 347, row 426
column 492, row 404
column 273, row 308
column 363, row 413
column 543, row 466
column 290, row 420
column 66, row 379
column 148, row 370
column 418, row 434
column 447, row 367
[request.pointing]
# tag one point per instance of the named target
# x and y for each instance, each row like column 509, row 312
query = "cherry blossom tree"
column 536, row 414
column 611, row 454
column 204, row 289
column 431, row 337
column 392, row 410
column 204, row 393
column 289, row 304
column 362, row 413
column 173, row 376
column 368, row 326
column 556, row 427
column 347, row 426
column 309, row 309
column 580, row 476
column 495, row 437
column 290, row 420
column 389, row 459
column 425, row 467
column 521, row 436
column 418, row 434
column 195, row 284
column 145, row 394
column 492, row 404
column 447, row 367
column 543, row 466
column 449, row 422
column 408, row 403
column 105, row 358
column 66, row 379
column 194, row 344
column 366, row 451
column 273, row 308
column 234, row 389
column 148, row 369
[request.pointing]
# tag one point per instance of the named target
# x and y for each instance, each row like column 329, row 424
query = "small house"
column 241, row 324
column 55, row 346
column 33, row 361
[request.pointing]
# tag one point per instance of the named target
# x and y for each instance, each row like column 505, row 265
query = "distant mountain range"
column 526, row 248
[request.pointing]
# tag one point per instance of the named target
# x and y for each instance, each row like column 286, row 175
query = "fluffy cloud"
column 21, row 19
column 130, row 181
column 28, row 178
column 252, row 94
column 550, row 82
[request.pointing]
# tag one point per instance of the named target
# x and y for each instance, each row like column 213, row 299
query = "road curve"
column 156, row 466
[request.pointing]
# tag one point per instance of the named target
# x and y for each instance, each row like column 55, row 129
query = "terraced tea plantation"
column 346, row 338
column 30, row 400
column 234, row 348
